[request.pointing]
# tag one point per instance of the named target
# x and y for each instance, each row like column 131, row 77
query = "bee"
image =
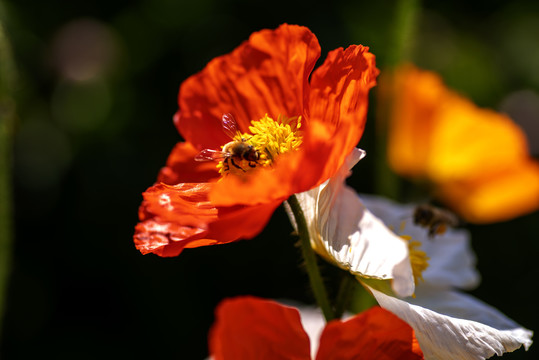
column 234, row 151
column 434, row 219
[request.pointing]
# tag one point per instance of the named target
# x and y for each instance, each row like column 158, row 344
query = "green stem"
column 400, row 46
column 315, row 279
column 344, row 296
column 362, row 299
column 7, row 120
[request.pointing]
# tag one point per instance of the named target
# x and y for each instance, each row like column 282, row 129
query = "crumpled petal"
column 338, row 105
column 331, row 127
column 181, row 167
column 174, row 217
column 253, row 328
column 266, row 74
column 343, row 231
column 448, row 334
column 373, row 334
column 451, row 258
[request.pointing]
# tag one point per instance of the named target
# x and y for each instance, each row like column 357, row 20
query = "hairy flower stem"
column 345, row 294
column 309, row 257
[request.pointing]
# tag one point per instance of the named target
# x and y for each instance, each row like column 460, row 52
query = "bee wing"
column 230, row 127
column 210, row 155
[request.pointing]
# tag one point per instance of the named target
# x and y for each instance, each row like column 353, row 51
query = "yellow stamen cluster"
column 418, row 258
column 273, row 138
column 269, row 138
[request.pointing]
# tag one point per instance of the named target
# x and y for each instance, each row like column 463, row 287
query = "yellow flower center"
column 418, row 258
column 268, row 139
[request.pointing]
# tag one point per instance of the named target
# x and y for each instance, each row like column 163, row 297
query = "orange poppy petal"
column 469, row 141
column 290, row 174
column 165, row 238
column 188, row 201
column 263, row 185
column 338, row 108
column 374, row 334
column 415, row 95
column 241, row 222
column 174, row 217
column 182, row 168
column 476, row 159
column 251, row 328
column 266, row 74
column 438, row 134
column 496, row 196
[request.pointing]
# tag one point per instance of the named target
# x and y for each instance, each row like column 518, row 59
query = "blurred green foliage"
column 95, row 96
column 7, row 120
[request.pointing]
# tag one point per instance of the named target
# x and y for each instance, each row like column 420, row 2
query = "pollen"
column 418, row 258
column 269, row 139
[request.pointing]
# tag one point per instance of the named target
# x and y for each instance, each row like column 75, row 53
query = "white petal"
column 313, row 323
column 444, row 336
column 344, row 231
column 452, row 261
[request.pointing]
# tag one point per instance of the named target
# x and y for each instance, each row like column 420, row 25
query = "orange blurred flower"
column 476, row 159
column 251, row 328
column 317, row 124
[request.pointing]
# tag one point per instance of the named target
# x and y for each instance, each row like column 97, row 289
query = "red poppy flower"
column 251, row 328
column 300, row 126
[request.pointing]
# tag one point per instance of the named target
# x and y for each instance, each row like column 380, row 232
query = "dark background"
column 91, row 135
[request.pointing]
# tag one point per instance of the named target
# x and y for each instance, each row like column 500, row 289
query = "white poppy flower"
column 452, row 261
column 344, row 232
column 448, row 324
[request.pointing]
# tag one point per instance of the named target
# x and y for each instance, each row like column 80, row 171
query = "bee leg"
column 226, row 165
column 252, row 164
column 236, row 165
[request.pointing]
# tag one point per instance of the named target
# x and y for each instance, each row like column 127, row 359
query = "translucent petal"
column 266, row 74
column 174, row 217
column 455, row 332
column 373, row 334
column 451, row 258
column 253, row 328
column 343, row 231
